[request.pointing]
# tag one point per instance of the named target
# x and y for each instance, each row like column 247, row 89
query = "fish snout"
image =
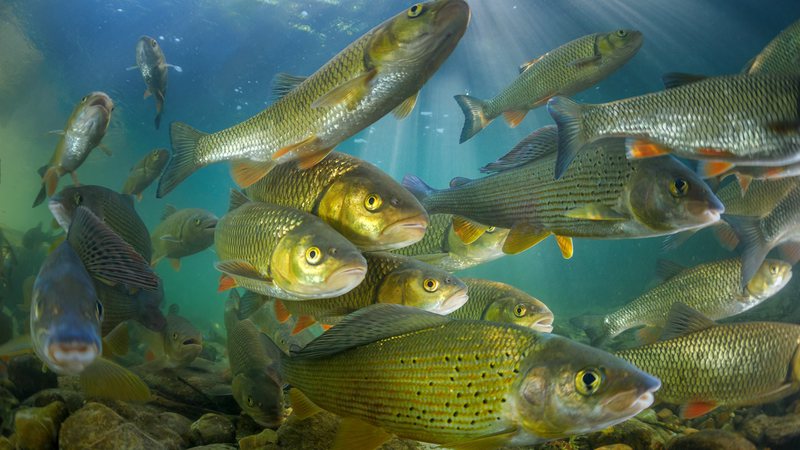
column 708, row 211
column 406, row 231
column 73, row 356
column 544, row 324
column 453, row 302
column 346, row 278
column 453, row 13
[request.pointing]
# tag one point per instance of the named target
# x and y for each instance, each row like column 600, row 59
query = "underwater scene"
column 354, row 224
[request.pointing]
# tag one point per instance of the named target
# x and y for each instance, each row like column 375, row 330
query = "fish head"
column 578, row 389
column 521, row 309
column 157, row 159
column 148, row 52
column 665, row 195
column 770, row 278
column 198, row 230
column 423, row 286
column 64, row 204
column 619, row 45
column 488, row 246
column 260, row 395
column 182, row 341
column 373, row 211
column 313, row 260
column 92, row 115
column 421, row 37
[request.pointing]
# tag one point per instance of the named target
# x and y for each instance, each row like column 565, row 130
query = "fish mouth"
column 101, row 100
column 72, row 357
column 453, row 302
column 633, row 401
column 452, row 16
column 544, row 324
column 209, row 225
column 404, row 232
column 345, row 279
column 707, row 212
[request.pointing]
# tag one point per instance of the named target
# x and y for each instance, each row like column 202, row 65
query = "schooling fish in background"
column 500, row 302
column 703, row 365
column 566, row 70
column 389, row 279
column 8, row 260
column 603, row 195
column 145, row 172
column 83, row 132
column 441, row 246
column 713, row 289
column 35, row 237
column 354, row 197
column 177, row 345
column 284, row 252
column 379, row 72
column 781, row 55
column 458, row 383
column 750, row 120
column 182, row 232
column 154, row 68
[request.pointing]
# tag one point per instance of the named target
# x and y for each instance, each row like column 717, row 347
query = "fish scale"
column 782, row 221
column 760, row 198
column 780, row 55
column 434, row 240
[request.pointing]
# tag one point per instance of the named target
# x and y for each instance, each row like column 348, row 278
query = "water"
column 53, row 53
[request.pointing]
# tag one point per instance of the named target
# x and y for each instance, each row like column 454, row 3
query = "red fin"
column 708, row 151
column 697, row 408
column 325, row 326
column 246, row 173
column 50, row 180
column 302, row 323
column 226, row 282
column 709, row 169
column 281, row 313
column 175, row 263
column 149, row 356
column 744, row 182
column 514, row 118
column 640, row 148
column 774, row 172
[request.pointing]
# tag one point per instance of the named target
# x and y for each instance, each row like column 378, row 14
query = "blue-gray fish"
column 154, row 68
column 182, row 232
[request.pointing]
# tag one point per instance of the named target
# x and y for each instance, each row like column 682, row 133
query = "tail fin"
column 50, row 177
column 184, row 160
column 571, row 138
column 419, row 188
column 752, row 241
column 474, row 116
column 593, row 326
column 159, row 107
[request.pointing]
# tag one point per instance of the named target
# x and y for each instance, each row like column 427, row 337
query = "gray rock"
column 215, row 447
column 72, row 399
column 753, row 428
column 26, row 373
column 7, row 405
column 213, row 429
column 98, row 427
column 783, row 431
column 711, row 440
column 170, row 429
column 633, row 433
column 266, row 440
column 37, row 428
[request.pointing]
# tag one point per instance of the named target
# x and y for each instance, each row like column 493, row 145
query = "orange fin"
column 467, row 230
column 325, row 326
column 514, row 118
column 774, row 172
column 697, row 408
column 303, row 322
column 648, row 335
column 175, row 263
column 294, row 147
column 281, row 313
column 311, row 160
column 245, row 172
column 744, row 182
column 565, row 245
column 226, row 282
column 726, row 236
column 708, row 169
column 50, row 180
column 641, row 148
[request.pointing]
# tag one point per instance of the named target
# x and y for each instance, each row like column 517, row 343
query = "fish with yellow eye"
column 500, row 302
column 182, row 233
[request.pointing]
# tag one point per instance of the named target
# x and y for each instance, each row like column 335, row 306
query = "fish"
column 154, row 68
column 145, row 172
column 750, row 120
column 181, row 233
column 178, row 345
column 283, row 252
column 712, row 289
column 704, row 365
column 34, row 237
column 121, row 305
column 83, row 132
column 781, row 55
column 441, row 246
column 381, row 71
column 116, row 210
column 390, row 278
column 257, row 385
column 603, row 195
column 566, row 70
column 745, row 175
column 8, row 260
column 500, row 302
column 458, row 383
column 351, row 195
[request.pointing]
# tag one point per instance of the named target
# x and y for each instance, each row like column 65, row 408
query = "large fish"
column 154, row 68
column 379, row 72
column 83, row 132
column 566, row 70
column 182, row 232
column 781, row 55
column 353, row 196
column 441, row 246
column 145, row 172
column 500, row 302
column 739, row 119
column 712, row 288
column 703, row 365
column 391, row 369
column 284, row 252
column 603, row 195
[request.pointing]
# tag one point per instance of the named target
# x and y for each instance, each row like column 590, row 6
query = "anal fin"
column 404, row 109
column 565, row 245
column 514, row 118
column 302, row 407
column 246, row 173
column 357, row 434
column 521, row 238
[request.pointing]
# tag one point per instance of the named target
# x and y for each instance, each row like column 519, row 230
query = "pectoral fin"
column 349, row 93
column 246, row 173
column 697, row 408
column 175, row 263
column 565, row 245
column 405, row 108
column 107, row 380
column 588, row 61
column 354, row 433
column 490, row 442
column 302, row 407
column 595, row 211
column 468, row 230
column 521, row 238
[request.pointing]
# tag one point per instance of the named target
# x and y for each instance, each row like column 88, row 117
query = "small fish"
column 145, row 172
column 441, row 246
column 178, row 345
column 83, row 132
column 566, row 70
column 738, row 119
column 284, row 252
column 389, row 279
column 745, row 175
column 392, row 369
column 35, row 237
column 603, row 195
column 8, row 260
column 381, row 71
column 182, row 233
column 351, row 195
column 154, row 68
column 781, row 55
column 500, row 302
column 711, row 288
column 703, row 365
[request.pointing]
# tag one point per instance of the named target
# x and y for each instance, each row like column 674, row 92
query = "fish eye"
column 313, row 255
column 84, row 98
column 78, row 198
column 622, row 33
column 416, row 10
column 430, row 284
column 197, row 222
column 373, row 202
column 250, row 401
column 773, row 269
column 587, row 381
column 98, row 311
column 175, row 336
column 153, row 43
column 678, row 187
column 491, row 229
column 520, row 310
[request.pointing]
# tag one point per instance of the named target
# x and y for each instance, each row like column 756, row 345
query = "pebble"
column 711, row 440
column 37, row 428
column 213, row 429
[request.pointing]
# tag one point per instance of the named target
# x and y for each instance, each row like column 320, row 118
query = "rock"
column 266, row 440
column 26, row 373
column 7, row 405
column 96, row 426
column 711, row 440
column 72, row 399
column 665, row 413
column 753, row 429
column 298, row 435
column 246, row 426
column 170, row 429
column 634, row 433
column 783, row 431
column 37, row 428
column 5, row 444
column 213, row 429
column 214, row 447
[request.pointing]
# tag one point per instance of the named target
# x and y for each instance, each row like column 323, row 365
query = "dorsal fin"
column 168, row 211
column 283, row 83
column 538, row 144
column 459, row 181
column 368, row 325
column 677, row 79
column 684, row 320
column 237, row 199
column 666, row 269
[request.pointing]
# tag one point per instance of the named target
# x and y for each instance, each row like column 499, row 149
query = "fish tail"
column 49, row 183
column 752, row 241
column 184, row 157
column 159, row 108
column 593, row 326
column 418, row 188
column 474, row 116
column 571, row 135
